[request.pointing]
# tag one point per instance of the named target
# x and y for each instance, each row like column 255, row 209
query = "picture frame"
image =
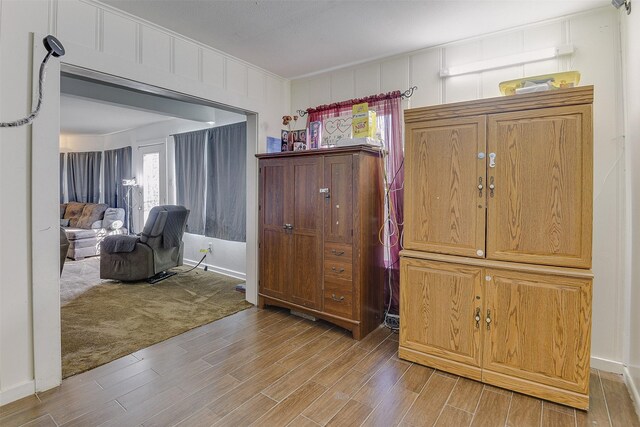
column 315, row 135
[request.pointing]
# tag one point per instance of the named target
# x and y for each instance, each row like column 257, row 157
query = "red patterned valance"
column 342, row 104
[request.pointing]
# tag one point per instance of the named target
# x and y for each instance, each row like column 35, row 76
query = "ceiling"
column 300, row 37
column 82, row 116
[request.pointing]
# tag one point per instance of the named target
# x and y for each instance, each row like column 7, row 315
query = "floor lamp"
column 129, row 184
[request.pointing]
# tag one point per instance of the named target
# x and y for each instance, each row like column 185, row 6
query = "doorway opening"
column 140, row 181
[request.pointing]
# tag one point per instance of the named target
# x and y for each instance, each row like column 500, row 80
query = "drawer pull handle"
column 337, row 253
column 335, row 298
column 337, row 270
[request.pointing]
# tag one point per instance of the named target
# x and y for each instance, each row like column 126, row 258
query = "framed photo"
column 302, row 136
column 315, row 135
column 284, row 140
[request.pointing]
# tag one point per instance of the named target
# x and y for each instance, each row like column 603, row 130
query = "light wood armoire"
column 320, row 212
column 495, row 281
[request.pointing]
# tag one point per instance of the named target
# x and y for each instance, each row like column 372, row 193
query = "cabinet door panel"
column 306, row 219
column 438, row 304
column 274, row 264
column 444, row 209
column 306, row 273
column 273, row 194
column 306, row 207
column 540, row 328
column 338, row 207
column 274, row 241
column 541, row 211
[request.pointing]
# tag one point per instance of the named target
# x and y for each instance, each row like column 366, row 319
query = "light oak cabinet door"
column 540, row 329
column 444, row 167
column 541, row 209
column 438, row 307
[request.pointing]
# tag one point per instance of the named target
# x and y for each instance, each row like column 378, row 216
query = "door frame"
column 44, row 232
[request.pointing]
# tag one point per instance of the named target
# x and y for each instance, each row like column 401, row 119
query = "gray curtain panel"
column 61, row 175
column 226, row 212
column 83, row 176
column 190, row 177
column 117, row 166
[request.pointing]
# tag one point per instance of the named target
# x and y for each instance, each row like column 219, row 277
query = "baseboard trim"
column 607, row 365
column 633, row 390
column 215, row 268
column 17, row 392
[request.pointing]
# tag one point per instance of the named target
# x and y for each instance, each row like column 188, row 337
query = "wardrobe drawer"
column 338, row 270
column 337, row 252
column 338, row 297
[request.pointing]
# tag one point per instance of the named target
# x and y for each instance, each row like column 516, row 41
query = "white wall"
column 631, row 63
column 16, row 343
column 103, row 39
column 595, row 36
column 79, row 143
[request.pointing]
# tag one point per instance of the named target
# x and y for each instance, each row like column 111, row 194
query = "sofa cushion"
column 113, row 218
column 73, row 212
column 63, row 207
column 74, row 233
column 92, row 233
column 90, row 214
column 83, row 243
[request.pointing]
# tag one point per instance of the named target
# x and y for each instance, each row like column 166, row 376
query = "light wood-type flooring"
column 269, row 368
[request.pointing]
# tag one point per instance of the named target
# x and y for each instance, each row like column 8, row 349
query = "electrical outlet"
column 210, row 248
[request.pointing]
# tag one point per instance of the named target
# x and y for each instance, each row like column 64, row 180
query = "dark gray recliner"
column 158, row 248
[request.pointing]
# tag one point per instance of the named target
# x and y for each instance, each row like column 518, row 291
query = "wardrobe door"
column 440, row 312
column 445, row 186
column 539, row 331
column 540, row 211
column 306, row 230
column 338, row 201
column 274, row 246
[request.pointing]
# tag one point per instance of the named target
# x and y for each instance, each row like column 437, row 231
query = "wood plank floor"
column 268, row 368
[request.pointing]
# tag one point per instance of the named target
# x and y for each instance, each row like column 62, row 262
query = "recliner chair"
column 158, row 248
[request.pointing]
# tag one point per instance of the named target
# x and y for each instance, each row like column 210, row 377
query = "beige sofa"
column 87, row 224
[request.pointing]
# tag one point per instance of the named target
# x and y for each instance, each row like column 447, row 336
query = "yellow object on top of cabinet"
column 563, row 80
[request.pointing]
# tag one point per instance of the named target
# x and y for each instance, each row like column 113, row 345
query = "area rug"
column 104, row 320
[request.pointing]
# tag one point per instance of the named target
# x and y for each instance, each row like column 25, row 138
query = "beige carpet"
column 103, row 320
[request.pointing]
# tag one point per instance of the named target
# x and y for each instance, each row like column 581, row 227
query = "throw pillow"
column 63, row 207
column 90, row 214
column 73, row 212
column 113, row 218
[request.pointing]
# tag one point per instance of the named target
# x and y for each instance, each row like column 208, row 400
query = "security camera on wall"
column 619, row 3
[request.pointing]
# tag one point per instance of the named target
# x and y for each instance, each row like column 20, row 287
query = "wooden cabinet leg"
column 357, row 333
column 261, row 303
